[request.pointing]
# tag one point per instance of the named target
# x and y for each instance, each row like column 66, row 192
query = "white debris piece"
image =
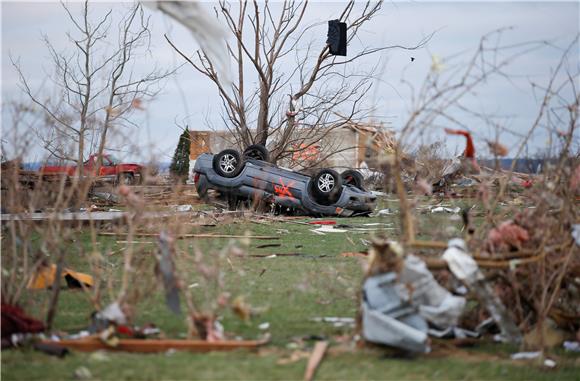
column 576, row 233
column 183, row 208
column 441, row 209
column 336, row 321
column 525, row 355
column 437, row 305
column 464, row 267
column 112, row 313
column 329, row 229
column 264, row 326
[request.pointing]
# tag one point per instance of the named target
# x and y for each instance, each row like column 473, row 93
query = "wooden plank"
column 181, row 236
column 154, row 346
column 315, row 359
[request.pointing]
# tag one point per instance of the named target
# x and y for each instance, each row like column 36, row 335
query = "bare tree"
column 97, row 86
column 266, row 78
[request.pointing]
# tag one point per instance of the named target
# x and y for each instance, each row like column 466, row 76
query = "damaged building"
column 353, row 145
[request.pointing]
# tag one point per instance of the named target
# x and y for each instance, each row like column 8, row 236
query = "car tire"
column 354, row 178
column 228, row 163
column 126, row 178
column 257, row 152
column 326, row 187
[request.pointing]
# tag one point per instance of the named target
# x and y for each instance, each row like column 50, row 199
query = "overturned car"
column 250, row 177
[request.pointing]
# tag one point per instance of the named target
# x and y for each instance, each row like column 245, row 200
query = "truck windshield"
column 113, row 160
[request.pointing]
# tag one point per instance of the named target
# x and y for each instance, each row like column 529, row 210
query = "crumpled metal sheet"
column 388, row 318
column 437, row 305
column 384, row 329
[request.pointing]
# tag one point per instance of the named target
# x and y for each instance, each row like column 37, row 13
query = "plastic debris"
column 442, row 209
column 112, row 313
column 576, row 233
column 464, row 267
column 264, row 326
column 571, row 346
column 45, row 277
column 385, row 212
column 82, row 373
column 336, row 321
column 525, row 355
column 183, row 208
column 328, row 229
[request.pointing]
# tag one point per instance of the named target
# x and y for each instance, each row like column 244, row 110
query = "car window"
column 113, row 160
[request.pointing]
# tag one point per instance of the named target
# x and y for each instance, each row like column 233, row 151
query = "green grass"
column 290, row 292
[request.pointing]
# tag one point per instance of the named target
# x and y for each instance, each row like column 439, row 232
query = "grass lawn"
column 289, row 291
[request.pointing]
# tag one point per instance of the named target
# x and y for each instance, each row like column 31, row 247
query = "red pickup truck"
column 112, row 170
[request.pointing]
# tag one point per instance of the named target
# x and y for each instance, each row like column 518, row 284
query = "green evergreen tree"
column 179, row 168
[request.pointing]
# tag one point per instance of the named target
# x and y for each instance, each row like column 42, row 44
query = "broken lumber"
column 92, row 344
column 182, row 236
column 315, row 359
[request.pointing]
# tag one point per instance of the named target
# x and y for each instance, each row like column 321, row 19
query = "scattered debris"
column 183, row 208
column 264, row 326
column 268, row 245
column 385, row 212
column 45, row 277
column 328, row 229
column 185, row 236
column 82, row 373
column 16, row 321
column 322, row 222
column 441, row 209
column 571, row 346
column 526, row 355
column 465, row 268
column 576, row 232
column 110, row 314
column 51, row 349
column 336, row 321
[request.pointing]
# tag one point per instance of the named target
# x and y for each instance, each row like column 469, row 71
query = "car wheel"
column 326, row 186
column 257, row 152
column 354, row 178
column 126, row 178
column 228, row 163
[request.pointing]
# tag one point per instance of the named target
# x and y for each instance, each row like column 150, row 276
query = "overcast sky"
column 189, row 98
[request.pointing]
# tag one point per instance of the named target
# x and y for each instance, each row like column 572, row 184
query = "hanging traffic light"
column 337, row 37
